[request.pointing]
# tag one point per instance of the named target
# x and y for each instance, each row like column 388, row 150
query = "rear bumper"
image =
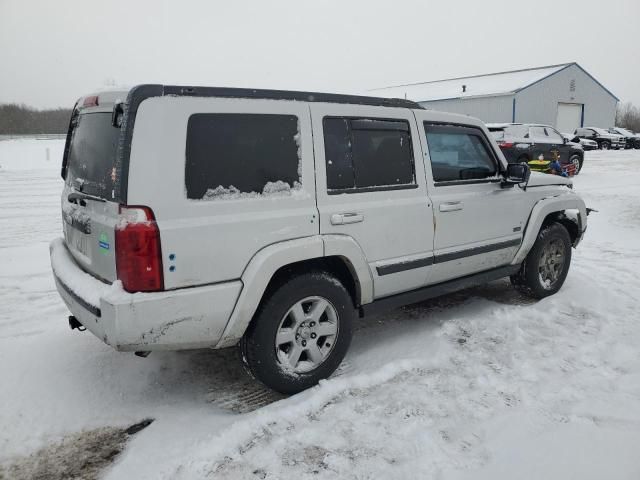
column 171, row 320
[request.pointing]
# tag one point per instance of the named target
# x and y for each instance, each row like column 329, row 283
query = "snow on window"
column 232, row 156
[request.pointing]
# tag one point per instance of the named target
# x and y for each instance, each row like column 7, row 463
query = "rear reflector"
column 91, row 101
column 138, row 253
column 505, row 144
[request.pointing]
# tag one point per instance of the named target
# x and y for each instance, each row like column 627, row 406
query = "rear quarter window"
column 237, row 155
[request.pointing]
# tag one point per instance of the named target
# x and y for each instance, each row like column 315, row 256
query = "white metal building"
column 565, row 96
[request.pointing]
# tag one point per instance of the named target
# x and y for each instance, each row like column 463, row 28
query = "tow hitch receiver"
column 74, row 323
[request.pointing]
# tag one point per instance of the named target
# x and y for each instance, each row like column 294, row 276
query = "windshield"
column 92, row 154
column 623, row 131
column 601, row 131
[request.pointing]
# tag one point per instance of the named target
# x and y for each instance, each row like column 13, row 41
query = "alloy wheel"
column 551, row 263
column 307, row 334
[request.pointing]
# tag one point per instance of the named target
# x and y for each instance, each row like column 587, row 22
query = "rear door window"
column 458, row 153
column 239, row 155
column 92, row 154
column 364, row 154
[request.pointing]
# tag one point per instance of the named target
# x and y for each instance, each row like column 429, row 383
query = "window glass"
column 235, row 155
column 458, row 153
column 517, row 131
column 554, row 136
column 539, row 134
column 337, row 152
column 92, row 154
column 498, row 133
column 366, row 153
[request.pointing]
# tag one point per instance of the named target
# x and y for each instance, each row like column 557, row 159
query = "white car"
column 209, row 217
column 585, row 143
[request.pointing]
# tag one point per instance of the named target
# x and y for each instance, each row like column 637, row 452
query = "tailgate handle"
column 73, row 197
column 346, row 218
column 451, row 206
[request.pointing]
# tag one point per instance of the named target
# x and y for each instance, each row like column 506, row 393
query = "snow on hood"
column 538, row 179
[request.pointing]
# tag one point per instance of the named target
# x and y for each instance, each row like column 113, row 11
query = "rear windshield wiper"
column 79, row 197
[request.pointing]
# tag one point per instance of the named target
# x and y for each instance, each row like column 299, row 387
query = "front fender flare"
column 540, row 211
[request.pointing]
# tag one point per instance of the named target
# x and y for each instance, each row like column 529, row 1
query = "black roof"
column 141, row 92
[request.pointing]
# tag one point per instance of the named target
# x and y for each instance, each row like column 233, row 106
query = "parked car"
column 603, row 138
column 523, row 142
column 632, row 139
column 269, row 220
column 585, row 143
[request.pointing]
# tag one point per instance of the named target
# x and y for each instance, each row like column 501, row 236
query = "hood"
column 538, row 179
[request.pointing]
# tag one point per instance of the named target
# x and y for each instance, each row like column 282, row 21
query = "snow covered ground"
column 479, row 384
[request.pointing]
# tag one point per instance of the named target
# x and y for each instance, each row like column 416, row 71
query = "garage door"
column 569, row 117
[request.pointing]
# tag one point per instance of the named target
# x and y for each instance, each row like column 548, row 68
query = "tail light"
column 503, row 144
column 138, row 253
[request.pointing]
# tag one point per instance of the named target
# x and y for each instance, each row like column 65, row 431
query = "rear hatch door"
column 89, row 206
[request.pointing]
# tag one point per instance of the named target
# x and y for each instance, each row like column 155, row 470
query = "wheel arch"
column 567, row 209
column 341, row 257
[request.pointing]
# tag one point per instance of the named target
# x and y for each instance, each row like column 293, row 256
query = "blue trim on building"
column 513, row 110
column 582, row 117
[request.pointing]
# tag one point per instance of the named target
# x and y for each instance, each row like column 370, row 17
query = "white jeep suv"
column 212, row 217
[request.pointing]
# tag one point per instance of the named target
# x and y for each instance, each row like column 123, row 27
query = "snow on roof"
column 477, row 85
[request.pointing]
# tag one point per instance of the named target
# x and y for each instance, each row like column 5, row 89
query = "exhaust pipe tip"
column 74, row 324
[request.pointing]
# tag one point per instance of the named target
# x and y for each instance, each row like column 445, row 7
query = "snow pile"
column 482, row 384
column 278, row 188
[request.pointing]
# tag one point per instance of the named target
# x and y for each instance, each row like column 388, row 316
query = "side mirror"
column 565, row 140
column 516, row 173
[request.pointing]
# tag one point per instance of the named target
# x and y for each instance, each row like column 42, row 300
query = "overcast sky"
column 51, row 52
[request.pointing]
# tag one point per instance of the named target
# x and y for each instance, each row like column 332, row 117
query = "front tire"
column 300, row 333
column 546, row 267
column 605, row 146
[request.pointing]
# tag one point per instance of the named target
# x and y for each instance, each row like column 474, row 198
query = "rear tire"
column 545, row 269
column 577, row 161
column 300, row 333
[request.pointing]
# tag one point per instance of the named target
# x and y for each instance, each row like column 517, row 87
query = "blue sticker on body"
column 103, row 242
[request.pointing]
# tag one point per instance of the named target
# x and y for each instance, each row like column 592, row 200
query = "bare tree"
column 20, row 119
column 628, row 116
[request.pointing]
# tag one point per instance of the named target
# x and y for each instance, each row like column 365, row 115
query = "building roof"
column 492, row 84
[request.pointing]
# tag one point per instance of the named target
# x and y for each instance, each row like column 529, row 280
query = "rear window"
column 497, row 133
column 92, row 154
column 366, row 154
column 237, row 155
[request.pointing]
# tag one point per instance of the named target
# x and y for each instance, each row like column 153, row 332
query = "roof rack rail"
column 146, row 91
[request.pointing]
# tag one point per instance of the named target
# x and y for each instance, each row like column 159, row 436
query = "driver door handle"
column 451, row 206
column 346, row 218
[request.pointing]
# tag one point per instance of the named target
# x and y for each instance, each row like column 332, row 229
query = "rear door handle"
column 346, row 218
column 451, row 206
